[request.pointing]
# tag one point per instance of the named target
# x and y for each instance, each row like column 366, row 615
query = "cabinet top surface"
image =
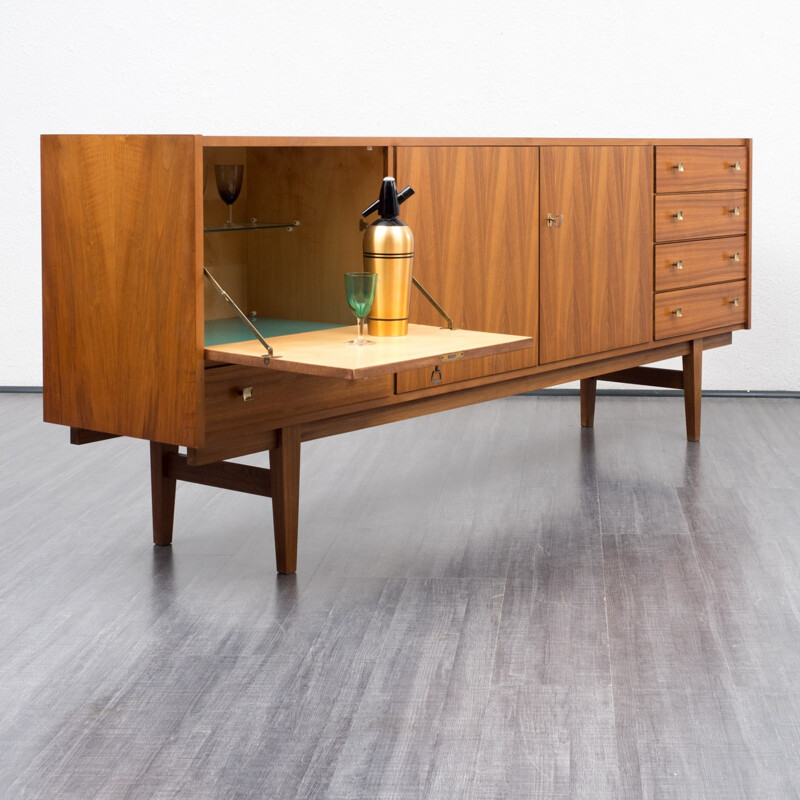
column 443, row 141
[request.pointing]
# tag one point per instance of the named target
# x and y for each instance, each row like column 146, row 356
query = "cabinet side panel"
column 120, row 280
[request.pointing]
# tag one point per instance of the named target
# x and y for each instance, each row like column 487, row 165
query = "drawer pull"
column 554, row 220
column 678, row 264
column 246, row 393
column 736, row 166
column 678, row 312
column 735, row 257
column 436, row 375
column 734, row 212
column 678, row 167
column 678, row 216
column 734, row 302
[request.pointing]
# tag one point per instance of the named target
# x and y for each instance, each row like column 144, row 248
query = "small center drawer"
column 455, row 371
column 682, row 264
column 700, row 169
column 703, row 308
column 697, row 216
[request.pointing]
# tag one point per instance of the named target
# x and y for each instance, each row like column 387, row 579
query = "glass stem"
column 230, row 214
column 360, row 329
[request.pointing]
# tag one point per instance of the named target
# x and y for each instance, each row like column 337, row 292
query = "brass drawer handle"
column 678, row 312
column 735, row 257
column 734, row 302
column 678, row 216
column 554, row 220
column 246, row 393
column 678, row 167
column 678, row 264
column 734, row 212
column 736, row 166
column 436, row 375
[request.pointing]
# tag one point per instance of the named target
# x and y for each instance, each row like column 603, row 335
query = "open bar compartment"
column 289, row 280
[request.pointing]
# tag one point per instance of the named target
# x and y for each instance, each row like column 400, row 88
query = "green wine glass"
column 360, row 288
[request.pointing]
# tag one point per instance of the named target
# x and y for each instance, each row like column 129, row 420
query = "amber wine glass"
column 360, row 289
column 229, row 185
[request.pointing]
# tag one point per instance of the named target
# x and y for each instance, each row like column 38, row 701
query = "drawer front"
column 697, row 216
column 700, row 169
column 682, row 264
column 277, row 396
column 690, row 310
column 454, row 371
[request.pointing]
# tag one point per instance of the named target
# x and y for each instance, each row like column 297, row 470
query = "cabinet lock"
column 436, row 375
column 678, row 312
column 246, row 393
column 554, row 220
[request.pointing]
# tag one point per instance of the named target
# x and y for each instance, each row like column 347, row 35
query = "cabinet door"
column 474, row 218
column 596, row 269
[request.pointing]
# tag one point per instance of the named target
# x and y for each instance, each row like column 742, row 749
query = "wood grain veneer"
column 121, row 293
column 476, row 239
column 300, row 275
column 704, row 215
column 704, row 168
column 595, row 270
column 703, row 261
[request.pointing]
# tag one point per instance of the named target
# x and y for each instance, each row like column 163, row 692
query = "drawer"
column 454, row 371
column 276, row 396
column 700, row 169
column 697, row 216
column 700, row 309
column 681, row 264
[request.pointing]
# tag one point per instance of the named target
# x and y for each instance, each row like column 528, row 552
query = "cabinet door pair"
column 579, row 285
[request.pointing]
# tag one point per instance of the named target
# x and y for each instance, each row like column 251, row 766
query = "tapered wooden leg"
column 162, row 488
column 692, row 383
column 588, row 395
column 284, row 468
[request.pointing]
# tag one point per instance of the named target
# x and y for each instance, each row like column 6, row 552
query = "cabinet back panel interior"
column 299, row 275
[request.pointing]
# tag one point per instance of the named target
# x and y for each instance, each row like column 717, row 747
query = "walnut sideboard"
column 557, row 259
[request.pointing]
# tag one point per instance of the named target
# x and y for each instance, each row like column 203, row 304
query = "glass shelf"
column 253, row 225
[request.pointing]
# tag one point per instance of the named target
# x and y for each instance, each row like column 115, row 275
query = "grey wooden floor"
column 490, row 603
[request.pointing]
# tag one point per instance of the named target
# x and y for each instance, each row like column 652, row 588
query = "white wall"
column 413, row 68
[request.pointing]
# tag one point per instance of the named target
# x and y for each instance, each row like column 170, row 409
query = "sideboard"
column 557, row 260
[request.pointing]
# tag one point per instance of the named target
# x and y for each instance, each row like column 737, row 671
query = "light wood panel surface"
column 300, row 275
column 122, row 301
column 701, row 309
column 474, row 217
column 699, row 216
column 704, row 261
column 596, row 269
column 326, row 352
column 703, row 168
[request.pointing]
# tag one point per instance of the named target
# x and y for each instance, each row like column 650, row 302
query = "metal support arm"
column 451, row 326
column 242, row 316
